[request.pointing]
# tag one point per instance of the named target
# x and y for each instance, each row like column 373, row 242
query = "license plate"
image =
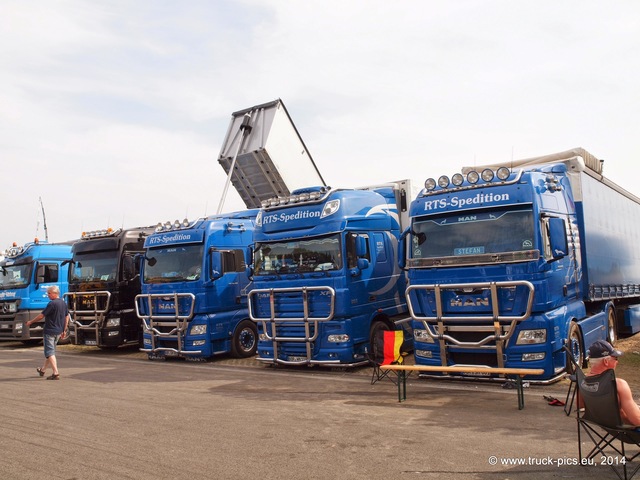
column 170, row 353
column 297, row 359
column 5, row 325
column 90, row 342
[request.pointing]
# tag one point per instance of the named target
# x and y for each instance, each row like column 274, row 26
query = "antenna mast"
column 44, row 221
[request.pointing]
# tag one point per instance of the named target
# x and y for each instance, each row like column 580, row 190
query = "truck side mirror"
column 215, row 264
column 361, row 246
column 363, row 264
column 128, row 267
column 41, row 274
column 558, row 237
column 402, row 248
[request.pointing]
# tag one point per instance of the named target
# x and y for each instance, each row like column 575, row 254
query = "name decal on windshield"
column 459, row 202
column 288, row 217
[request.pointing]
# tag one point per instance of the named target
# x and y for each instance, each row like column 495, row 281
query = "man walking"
column 56, row 319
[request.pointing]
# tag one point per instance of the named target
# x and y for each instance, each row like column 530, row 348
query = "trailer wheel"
column 245, row 340
column 612, row 334
column 574, row 342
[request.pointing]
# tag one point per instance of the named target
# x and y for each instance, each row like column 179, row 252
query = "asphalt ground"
column 117, row 415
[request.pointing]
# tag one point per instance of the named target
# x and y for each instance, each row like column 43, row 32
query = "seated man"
column 602, row 356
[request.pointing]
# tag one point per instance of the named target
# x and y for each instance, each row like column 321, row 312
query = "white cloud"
column 116, row 112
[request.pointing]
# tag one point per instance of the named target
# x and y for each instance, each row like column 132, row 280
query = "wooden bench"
column 516, row 373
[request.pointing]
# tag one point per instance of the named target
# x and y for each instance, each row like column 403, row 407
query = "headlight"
column 338, row 338
column 457, row 179
column 503, row 173
column 330, row 208
column 529, row 337
column 429, row 184
column 422, row 336
column 113, row 322
column 198, row 330
column 487, row 174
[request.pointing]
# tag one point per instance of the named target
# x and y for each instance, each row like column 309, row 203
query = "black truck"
column 104, row 279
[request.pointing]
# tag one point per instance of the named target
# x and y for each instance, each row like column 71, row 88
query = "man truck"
column 325, row 273
column 25, row 274
column 103, row 282
column 193, row 302
column 199, row 315
column 507, row 264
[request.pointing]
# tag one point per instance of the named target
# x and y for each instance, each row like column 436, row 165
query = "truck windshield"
column 15, row 276
column 174, row 264
column 94, row 266
column 472, row 235
column 299, row 256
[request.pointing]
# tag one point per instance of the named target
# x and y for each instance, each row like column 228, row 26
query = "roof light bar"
column 175, row 225
column 105, row 232
column 488, row 176
column 296, row 198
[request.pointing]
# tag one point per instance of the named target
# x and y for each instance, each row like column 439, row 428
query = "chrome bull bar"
column 311, row 324
column 499, row 328
column 152, row 322
column 88, row 319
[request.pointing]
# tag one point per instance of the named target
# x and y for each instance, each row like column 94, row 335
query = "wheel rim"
column 576, row 347
column 612, row 326
column 247, row 339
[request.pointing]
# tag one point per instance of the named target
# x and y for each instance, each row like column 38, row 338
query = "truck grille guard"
column 311, row 324
column 178, row 324
column 88, row 319
column 498, row 328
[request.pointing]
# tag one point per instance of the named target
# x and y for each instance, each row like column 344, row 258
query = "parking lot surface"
column 117, row 415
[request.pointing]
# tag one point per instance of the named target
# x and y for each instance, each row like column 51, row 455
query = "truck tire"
column 376, row 326
column 574, row 342
column 612, row 333
column 245, row 340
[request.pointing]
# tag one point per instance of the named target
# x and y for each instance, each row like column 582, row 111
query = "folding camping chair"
column 387, row 350
column 601, row 421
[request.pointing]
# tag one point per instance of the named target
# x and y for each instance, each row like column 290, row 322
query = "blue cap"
column 602, row 349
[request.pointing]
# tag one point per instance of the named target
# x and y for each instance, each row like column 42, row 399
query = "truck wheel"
column 612, row 334
column 245, row 340
column 376, row 327
column 574, row 342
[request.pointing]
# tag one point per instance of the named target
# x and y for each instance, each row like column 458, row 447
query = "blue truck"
column 104, row 280
column 507, row 264
column 25, row 274
column 193, row 302
column 326, row 275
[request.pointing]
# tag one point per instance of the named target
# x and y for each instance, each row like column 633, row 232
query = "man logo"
column 470, row 302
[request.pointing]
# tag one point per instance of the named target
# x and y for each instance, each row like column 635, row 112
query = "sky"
column 113, row 113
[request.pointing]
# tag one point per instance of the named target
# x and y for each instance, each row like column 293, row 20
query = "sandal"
column 553, row 401
column 54, row 377
column 40, row 371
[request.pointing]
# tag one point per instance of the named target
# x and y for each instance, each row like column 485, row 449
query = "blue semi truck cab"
column 25, row 274
column 193, row 302
column 507, row 265
column 103, row 282
column 325, row 273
